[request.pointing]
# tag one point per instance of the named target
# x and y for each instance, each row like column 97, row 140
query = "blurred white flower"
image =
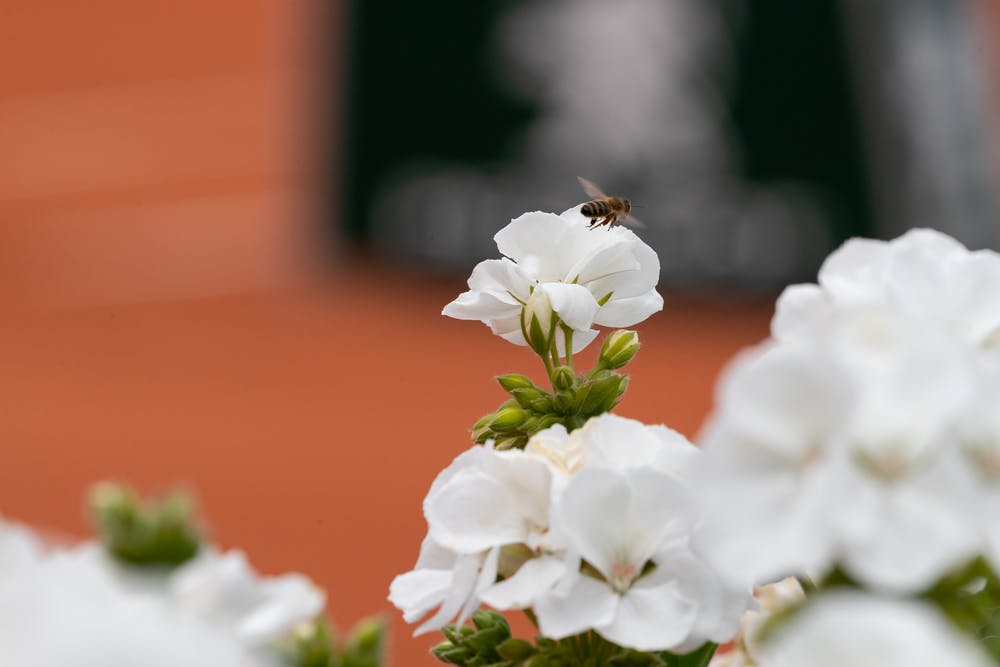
column 224, row 589
column 75, row 606
column 851, row 628
column 926, row 274
column 830, row 451
column 589, row 277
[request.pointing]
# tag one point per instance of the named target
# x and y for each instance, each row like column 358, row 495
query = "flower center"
column 622, row 576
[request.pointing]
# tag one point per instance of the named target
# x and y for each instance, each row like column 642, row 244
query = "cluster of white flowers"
column 556, row 264
column 591, row 529
column 77, row 606
column 867, row 434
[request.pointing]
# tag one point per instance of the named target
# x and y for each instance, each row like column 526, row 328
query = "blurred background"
column 227, row 228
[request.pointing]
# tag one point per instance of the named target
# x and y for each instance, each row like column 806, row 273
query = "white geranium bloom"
column 77, row 607
column 224, row 590
column 833, row 452
column 851, row 628
column 925, row 273
column 588, row 277
column 631, row 527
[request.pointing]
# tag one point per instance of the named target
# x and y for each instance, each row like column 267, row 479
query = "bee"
column 604, row 210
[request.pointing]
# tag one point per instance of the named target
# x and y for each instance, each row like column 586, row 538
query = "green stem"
column 568, row 339
column 530, row 613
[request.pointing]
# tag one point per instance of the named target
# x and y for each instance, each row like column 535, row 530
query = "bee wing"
column 633, row 222
column 591, row 189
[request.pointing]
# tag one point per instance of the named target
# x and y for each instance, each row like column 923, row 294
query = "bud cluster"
column 155, row 532
column 573, row 400
column 315, row 644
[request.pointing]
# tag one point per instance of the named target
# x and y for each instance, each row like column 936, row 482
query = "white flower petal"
column 574, row 304
column 588, row 604
column 498, row 500
column 502, row 278
column 535, row 234
column 417, row 592
column 483, row 306
column 532, row 579
column 799, row 313
column 651, row 617
column 463, row 584
column 626, row 312
column 592, row 512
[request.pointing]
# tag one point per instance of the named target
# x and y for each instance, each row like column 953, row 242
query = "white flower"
column 589, row 277
column 859, row 630
column 224, row 590
column 77, row 607
column 648, row 591
column 925, row 273
column 828, row 452
column 525, row 515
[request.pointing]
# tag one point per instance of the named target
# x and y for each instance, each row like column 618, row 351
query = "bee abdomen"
column 595, row 209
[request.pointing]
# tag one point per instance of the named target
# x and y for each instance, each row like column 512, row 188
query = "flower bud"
column 526, row 397
column 563, row 378
column 513, row 381
column 602, row 393
column 515, row 650
column 619, row 348
column 368, row 636
column 508, row 419
column 537, row 315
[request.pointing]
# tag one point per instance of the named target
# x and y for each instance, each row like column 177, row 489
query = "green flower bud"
column 602, row 392
column 619, row 348
column 526, row 397
column 543, row 404
column 154, row 533
column 311, row 644
column 513, row 381
column 368, row 635
column 515, row 649
column 508, row 419
column 537, row 314
column 563, row 378
column 451, row 654
column 481, row 431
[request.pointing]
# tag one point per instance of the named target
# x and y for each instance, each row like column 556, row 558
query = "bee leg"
column 593, row 223
column 607, row 221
